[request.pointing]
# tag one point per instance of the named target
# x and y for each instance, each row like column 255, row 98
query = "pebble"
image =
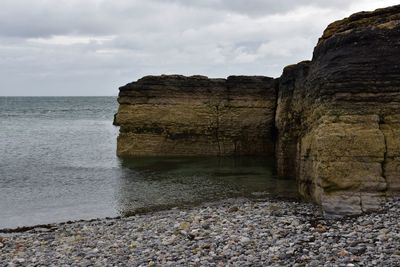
column 230, row 233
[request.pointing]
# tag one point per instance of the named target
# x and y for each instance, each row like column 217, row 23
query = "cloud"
column 258, row 7
column 75, row 47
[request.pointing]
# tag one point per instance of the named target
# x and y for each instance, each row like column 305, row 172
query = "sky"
column 91, row 47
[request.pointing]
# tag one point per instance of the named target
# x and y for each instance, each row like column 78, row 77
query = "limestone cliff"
column 338, row 116
column 178, row 115
column 333, row 122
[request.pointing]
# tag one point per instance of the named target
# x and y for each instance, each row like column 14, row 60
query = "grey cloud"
column 259, row 7
column 28, row 18
column 210, row 37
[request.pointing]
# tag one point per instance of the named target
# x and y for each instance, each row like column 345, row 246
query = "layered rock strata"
column 178, row 115
column 338, row 115
column 336, row 118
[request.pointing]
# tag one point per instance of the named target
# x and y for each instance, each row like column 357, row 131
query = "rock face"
column 178, row 115
column 336, row 118
column 288, row 118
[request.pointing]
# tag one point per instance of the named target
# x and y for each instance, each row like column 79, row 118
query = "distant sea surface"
column 58, row 163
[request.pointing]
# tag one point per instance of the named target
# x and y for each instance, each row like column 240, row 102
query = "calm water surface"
column 58, row 163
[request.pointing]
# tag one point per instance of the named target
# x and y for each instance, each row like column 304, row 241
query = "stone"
column 169, row 240
column 244, row 240
column 184, row 226
column 233, row 209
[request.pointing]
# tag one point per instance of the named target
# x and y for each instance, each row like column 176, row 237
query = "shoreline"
column 235, row 232
column 149, row 211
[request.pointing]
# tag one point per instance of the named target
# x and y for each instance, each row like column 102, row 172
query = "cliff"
column 178, row 115
column 343, row 138
column 333, row 123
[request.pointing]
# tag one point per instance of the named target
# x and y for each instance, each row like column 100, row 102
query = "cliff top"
column 181, row 81
column 383, row 18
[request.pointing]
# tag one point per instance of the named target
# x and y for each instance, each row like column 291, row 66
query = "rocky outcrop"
column 178, row 115
column 338, row 116
column 334, row 121
column 288, row 118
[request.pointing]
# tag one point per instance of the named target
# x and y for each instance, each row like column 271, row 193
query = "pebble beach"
column 237, row 232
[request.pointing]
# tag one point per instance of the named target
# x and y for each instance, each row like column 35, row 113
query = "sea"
column 58, row 163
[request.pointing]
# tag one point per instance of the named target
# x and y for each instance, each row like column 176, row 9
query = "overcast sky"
column 91, row 47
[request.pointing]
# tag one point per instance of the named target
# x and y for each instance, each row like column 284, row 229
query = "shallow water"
column 58, row 163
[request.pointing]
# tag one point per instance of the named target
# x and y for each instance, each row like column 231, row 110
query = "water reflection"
column 151, row 183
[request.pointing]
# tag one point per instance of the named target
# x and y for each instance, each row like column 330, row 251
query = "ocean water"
column 58, row 163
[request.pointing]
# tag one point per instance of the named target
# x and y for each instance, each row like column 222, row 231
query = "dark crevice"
column 217, row 129
column 384, row 162
column 274, row 130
